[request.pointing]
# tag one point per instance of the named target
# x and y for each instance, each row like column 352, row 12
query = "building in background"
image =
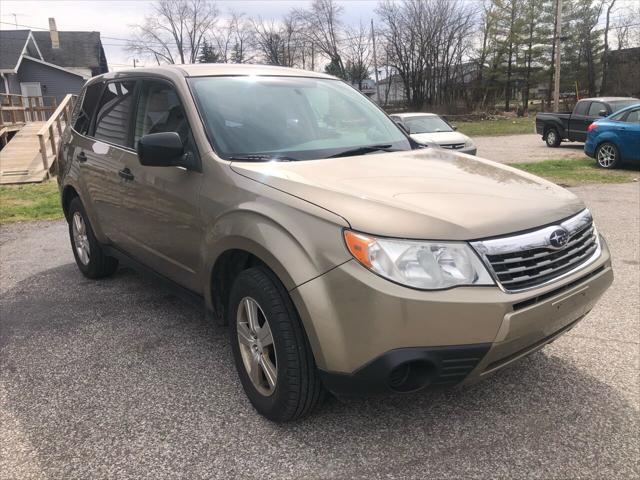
column 50, row 63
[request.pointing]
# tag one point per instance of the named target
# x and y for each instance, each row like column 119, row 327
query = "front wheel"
column 607, row 155
column 270, row 349
column 553, row 138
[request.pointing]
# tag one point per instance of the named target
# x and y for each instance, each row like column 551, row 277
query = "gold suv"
column 344, row 256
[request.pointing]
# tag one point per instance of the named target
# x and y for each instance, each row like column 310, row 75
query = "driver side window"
column 159, row 110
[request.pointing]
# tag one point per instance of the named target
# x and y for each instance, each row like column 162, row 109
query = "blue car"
column 615, row 140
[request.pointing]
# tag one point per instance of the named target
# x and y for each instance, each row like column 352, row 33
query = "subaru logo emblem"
column 559, row 238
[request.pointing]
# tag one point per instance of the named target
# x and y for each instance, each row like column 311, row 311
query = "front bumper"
column 369, row 334
column 468, row 150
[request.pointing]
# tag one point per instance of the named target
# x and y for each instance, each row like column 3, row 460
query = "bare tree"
column 358, row 55
column 605, row 52
column 233, row 41
column 427, row 41
column 175, row 30
column 322, row 27
column 279, row 43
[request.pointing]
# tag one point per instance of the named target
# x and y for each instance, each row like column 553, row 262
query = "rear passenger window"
column 112, row 120
column 85, row 108
column 594, row 109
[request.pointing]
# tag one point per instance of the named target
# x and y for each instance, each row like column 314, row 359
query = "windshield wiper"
column 261, row 158
column 363, row 150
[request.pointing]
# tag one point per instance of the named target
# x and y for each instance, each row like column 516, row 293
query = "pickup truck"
column 556, row 127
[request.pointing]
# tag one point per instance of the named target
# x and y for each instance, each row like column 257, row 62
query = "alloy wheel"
column 256, row 346
column 80, row 238
column 606, row 156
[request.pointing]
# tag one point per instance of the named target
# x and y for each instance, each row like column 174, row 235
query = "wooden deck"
column 33, row 149
column 20, row 159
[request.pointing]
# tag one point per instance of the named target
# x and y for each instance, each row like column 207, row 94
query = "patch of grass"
column 570, row 172
column 34, row 201
column 499, row 126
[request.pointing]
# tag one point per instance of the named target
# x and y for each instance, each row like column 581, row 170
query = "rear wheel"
column 271, row 352
column 553, row 138
column 607, row 155
column 90, row 258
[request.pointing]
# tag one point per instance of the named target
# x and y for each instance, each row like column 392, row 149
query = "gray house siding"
column 54, row 82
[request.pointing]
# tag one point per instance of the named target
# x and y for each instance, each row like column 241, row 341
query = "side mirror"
column 454, row 127
column 161, row 150
column 602, row 113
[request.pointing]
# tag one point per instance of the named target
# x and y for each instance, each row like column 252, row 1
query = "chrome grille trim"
column 522, row 262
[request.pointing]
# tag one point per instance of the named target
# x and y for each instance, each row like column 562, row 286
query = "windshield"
column 426, row 124
column 293, row 118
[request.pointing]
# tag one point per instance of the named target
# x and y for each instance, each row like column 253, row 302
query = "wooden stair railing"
column 16, row 110
column 47, row 134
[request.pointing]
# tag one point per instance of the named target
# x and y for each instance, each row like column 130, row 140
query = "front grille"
column 453, row 146
column 529, row 260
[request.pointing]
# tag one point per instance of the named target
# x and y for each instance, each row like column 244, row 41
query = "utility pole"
column 556, row 90
column 375, row 62
column 313, row 58
column 134, row 63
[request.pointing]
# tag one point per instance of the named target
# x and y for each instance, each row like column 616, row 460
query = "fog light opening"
column 411, row 376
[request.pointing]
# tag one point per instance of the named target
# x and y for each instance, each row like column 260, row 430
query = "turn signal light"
column 593, row 126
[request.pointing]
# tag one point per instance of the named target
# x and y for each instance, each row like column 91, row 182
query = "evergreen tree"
column 208, row 53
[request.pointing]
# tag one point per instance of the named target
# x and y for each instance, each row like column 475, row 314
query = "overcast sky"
column 112, row 18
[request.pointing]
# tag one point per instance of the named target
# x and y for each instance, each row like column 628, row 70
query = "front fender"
column 296, row 245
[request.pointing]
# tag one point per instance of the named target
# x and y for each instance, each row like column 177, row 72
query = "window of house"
column 112, row 120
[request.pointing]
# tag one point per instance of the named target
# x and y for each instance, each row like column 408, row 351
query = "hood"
column 421, row 194
column 441, row 138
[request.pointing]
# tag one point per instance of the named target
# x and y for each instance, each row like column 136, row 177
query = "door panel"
column 161, row 225
column 630, row 136
column 161, row 204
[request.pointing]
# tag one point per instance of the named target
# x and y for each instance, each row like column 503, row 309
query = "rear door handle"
column 82, row 157
column 126, row 174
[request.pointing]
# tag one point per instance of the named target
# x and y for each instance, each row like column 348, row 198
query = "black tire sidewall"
column 260, row 285
column 617, row 161
column 99, row 265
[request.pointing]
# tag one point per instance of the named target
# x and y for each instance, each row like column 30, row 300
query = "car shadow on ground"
column 105, row 372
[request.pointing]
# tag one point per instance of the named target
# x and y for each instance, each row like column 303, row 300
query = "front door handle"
column 82, row 157
column 126, row 174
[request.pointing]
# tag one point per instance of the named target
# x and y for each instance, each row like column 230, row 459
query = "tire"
column 552, row 138
column 89, row 255
column 296, row 389
column 608, row 156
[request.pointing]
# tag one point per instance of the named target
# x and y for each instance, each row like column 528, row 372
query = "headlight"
column 468, row 143
column 417, row 264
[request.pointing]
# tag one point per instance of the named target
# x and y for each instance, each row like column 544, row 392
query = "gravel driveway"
column 119, row 379
column 524, row 148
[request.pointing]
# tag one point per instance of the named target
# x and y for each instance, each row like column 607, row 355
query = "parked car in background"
column 615, row 140
column 429, row 128
column 342, row 256
column 556, row 127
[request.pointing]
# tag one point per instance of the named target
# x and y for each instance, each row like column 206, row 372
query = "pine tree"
column 208, row 53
